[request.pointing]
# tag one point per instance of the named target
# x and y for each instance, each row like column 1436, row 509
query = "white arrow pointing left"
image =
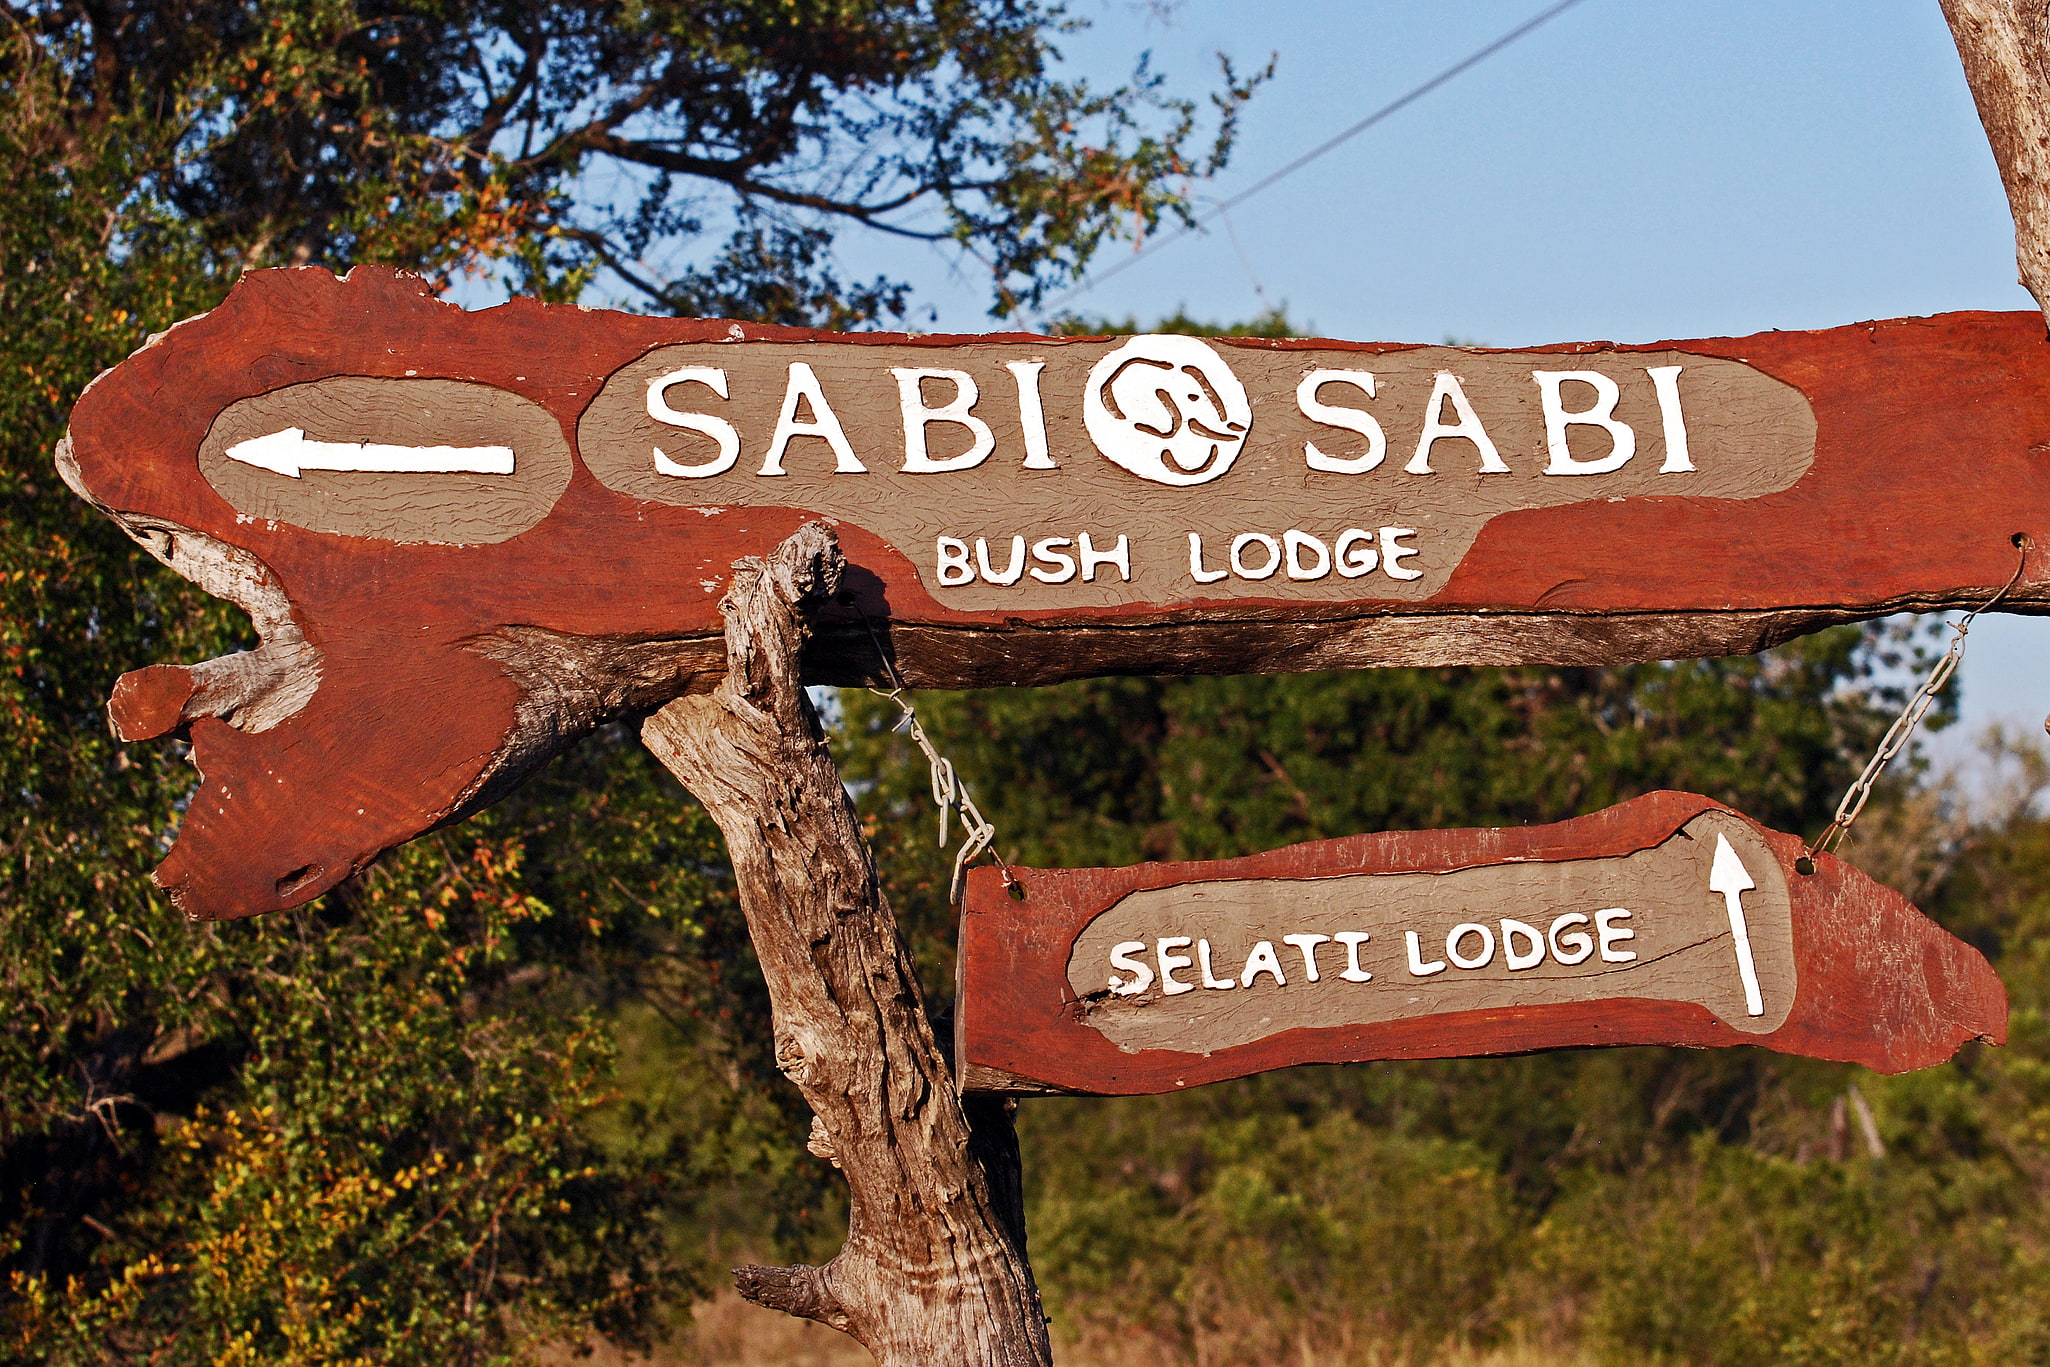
column 288, row 452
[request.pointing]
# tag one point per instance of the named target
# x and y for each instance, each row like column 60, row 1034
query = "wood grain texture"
column 933, row 1273
column 1747, row 435
column 402, row 685
column 448, row 509
column 2005, row 48
column 1531, row 925
column 1874, row 981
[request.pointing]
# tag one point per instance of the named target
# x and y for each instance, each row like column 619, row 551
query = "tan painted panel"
column 1102, row 473
column 1680, row 943
column 445, row 508
column 1925, row 477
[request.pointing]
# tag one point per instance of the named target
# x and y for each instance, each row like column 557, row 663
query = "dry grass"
column 1136, row 1351
column 1517, row 1357
column 728, row 1332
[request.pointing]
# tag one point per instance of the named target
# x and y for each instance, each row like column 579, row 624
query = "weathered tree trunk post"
column 2005, row 48
column 933, row 1273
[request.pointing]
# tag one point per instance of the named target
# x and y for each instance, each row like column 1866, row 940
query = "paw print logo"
column 1168, row 409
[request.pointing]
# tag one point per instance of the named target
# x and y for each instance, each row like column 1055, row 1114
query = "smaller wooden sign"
column 1670, row 919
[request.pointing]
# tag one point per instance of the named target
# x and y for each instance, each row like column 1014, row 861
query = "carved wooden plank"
column 1669, row 919
column 468, row 538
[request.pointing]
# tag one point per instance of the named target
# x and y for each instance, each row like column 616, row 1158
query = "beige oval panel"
column 1654, row 925
column 441, row 461
column 1057, row 473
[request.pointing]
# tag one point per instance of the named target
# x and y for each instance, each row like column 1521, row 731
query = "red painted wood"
column 1880, row 984
column 1930, row 455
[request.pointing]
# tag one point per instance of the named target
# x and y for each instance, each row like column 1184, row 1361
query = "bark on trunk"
column 933, row 1273
column 2005, row 48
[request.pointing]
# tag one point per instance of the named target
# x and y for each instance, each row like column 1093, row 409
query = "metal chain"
column 1904, row 725
column 978, row 832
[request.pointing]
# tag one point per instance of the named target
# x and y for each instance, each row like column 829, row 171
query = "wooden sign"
column 468, row 538
column 1669, row 919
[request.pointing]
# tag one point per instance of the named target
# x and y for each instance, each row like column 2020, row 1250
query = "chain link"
column 1904, row 725
column 978, row 832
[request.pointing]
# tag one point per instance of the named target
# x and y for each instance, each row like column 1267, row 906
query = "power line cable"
column 1394, row 106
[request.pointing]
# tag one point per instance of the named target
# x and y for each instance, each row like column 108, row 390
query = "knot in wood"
column 793, row 1060
column 820, row 1143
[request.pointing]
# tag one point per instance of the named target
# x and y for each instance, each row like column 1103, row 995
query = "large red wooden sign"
column 468, row 538
column 1666, row 920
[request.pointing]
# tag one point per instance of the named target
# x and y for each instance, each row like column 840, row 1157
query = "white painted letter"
column 1245, row 539
column 1665, row 382
column 1119, row 555
column 1011, row 575
column 1263, row 959
column 911, row 399
column 804, row 384
column 1142, row 976
column 718, row 429
column 1417, row 966
column 1393, row 553
column 1352, row 940
column 1196, row 570
column 954, row 567
column 1557, row 420
column 1203, row 963
column 1049, row 551
column 1468, row 426
column 1531, row 957
column 1030, row 415
column 1610, row 935
column 1460, row 932
column 1350, row 419
column 1170, row 962
column 1582, row 943
column 1354, row 553
column 1297, row 541
column 1307, row 945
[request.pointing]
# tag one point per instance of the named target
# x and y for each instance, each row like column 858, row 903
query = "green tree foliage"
column 1115, row 770
column 1713, row 1207
column 323, row 1138
column 697, row 153
column 512, row 1086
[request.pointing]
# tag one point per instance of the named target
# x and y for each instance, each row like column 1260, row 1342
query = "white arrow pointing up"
column 288, row 452
column 1730, row 878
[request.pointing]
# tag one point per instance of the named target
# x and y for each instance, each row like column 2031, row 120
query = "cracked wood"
column 1858, row 471
column 933, row 1273
column 1669, row 919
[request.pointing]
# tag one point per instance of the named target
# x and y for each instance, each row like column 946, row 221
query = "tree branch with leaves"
column 700, row 157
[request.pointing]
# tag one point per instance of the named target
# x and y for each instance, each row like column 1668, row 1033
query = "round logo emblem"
column 1168, row 409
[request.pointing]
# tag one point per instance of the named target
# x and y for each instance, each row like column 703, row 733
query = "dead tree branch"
column 933, row 1273
column 2005, row 48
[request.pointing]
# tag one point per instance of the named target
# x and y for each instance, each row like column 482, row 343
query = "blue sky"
column 1632, row 171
